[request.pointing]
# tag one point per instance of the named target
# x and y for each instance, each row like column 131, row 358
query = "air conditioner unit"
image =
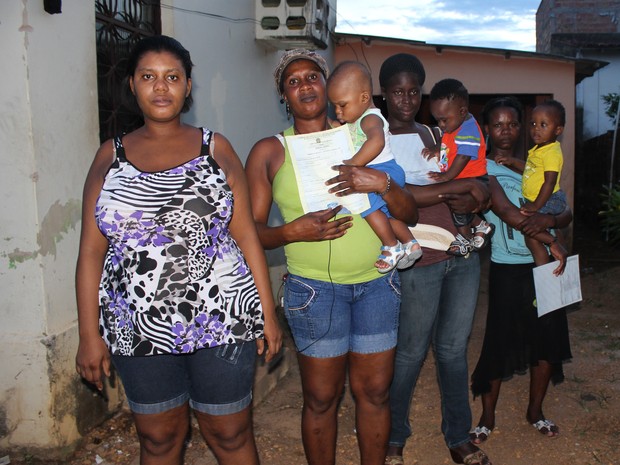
column 286, row 24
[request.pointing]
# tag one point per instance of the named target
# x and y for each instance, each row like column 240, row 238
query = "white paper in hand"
column 553, row 292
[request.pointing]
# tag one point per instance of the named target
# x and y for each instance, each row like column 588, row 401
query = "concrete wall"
column 484, row 72
column 589, row 91
column 234, row 91
column 48, row 135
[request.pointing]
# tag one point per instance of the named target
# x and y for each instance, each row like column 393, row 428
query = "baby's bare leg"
column 539, row 251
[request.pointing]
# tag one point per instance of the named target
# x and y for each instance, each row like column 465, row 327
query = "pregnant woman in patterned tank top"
column 172, row 282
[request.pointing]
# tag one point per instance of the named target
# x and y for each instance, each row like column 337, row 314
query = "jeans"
column 215, row 380
column 329, row 319
column 438, row 304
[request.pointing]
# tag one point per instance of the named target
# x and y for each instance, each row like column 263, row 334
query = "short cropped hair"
column 558, row 108
column 401, row 63
column 354, row 68
column 449, row 89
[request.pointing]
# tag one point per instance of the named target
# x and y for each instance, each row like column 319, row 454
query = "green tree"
column 611, row 103
column 611, row 196
column 611, row 213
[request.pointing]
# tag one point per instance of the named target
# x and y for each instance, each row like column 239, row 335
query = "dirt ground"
column 586, row 406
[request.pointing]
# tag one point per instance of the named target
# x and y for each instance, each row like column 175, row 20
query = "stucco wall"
column 48, row 136
column 482, row 73
column 590, row 91
column 232, row 76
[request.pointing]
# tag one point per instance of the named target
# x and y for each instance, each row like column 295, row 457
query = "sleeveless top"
column 358, row 136
column 349, row 259
column 174, row 280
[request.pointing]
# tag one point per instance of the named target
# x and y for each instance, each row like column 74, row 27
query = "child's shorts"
column 556, row 204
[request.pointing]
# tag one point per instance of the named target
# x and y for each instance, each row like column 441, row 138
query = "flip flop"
column 547, row 428
column 394, row 460
column 476, row 457
column 480, row 434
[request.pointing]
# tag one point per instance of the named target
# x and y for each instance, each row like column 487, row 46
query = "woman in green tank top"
column 343, row 314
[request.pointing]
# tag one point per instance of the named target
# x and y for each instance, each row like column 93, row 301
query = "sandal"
column 394, row 460
column 413, row 252
column 482, row 234
column 475, row 457
column 480, row 434
column 547, row 428
column 461, row 247
column 396, row 252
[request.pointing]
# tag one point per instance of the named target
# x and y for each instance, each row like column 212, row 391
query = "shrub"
column 611, row 213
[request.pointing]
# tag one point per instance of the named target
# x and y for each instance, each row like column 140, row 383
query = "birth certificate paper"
column 313, row 155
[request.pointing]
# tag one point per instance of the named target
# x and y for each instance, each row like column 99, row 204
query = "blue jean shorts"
column 216, row 381
column 329, row 320
column 556, row 204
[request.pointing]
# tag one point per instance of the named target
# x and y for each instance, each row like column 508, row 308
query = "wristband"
column 387, row 188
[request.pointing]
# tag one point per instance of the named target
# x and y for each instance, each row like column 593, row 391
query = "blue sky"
column 505, row 24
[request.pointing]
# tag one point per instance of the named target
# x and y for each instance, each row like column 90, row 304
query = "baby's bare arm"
column 372, row 126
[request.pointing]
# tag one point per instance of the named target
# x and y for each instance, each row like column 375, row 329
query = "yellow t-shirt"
column 546, row 158
column 349, row 259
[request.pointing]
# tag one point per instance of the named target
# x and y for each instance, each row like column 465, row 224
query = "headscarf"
column 294, row 55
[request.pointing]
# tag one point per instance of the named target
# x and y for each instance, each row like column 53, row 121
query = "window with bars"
column 119, row 25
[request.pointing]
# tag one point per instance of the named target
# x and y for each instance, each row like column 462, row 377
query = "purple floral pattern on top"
column 174, row 279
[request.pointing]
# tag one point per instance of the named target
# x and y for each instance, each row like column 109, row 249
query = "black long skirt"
column 515, row 337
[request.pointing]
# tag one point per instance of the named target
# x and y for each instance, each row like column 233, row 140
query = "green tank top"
column 347, row 260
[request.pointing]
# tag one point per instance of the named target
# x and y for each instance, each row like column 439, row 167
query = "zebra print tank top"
column 174, row 280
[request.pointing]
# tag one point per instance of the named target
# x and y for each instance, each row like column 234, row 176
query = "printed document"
column 553, row 292
column 313, row 155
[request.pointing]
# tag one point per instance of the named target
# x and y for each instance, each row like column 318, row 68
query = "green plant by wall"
column 611, row 105
column 611, row 213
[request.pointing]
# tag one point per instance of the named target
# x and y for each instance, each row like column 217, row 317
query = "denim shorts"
column 329, row 320
column 555, row 205
column 216, row 381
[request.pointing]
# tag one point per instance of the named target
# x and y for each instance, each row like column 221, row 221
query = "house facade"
column 486, row 73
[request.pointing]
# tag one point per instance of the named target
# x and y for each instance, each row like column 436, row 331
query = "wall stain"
column 56, row 223
column 25, row 27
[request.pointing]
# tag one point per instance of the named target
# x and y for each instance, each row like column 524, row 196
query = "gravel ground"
column 586, row 406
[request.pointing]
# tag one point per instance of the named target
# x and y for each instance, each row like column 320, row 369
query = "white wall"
column 590, row 90
column 48, row 136
column 232, row 78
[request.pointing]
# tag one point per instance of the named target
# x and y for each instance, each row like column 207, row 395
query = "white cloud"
column 499, row 24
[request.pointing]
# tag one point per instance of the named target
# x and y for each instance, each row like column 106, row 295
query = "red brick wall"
column 575, row 16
